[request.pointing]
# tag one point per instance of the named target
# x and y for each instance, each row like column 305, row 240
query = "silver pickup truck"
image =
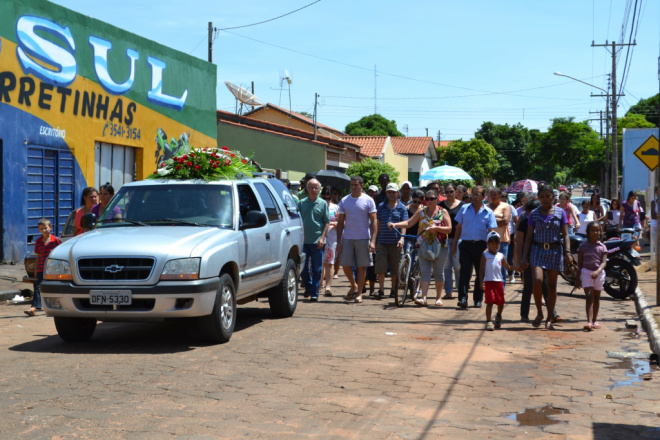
column 178, row 249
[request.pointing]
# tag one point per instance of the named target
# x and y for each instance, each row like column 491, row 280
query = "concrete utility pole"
column 605, row 187
column 657, row 185
column 615, row 99
column 316, row 100
column 210, row 41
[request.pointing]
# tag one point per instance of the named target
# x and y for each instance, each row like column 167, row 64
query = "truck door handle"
column 288, row 232
column 268, row 236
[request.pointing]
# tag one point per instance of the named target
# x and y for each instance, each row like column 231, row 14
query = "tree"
column 374, row 125
column 648, row 108
column 476, row 157
column 370, row 169
column 567, row 146
column 307, row 114
column 510, row 142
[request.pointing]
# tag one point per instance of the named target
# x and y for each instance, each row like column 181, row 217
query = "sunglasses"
column 417, row 201
column 450, row 192
column 429, row 199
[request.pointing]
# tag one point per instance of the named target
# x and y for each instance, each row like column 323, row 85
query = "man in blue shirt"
column 387, row 242
column 475, row 221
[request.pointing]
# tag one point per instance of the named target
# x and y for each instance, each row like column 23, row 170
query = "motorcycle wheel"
column 623, row 278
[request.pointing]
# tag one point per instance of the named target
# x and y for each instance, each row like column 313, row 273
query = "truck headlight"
column 183, row 269
column 58, row 270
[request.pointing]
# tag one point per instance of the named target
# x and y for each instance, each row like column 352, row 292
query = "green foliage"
column 307, row 114
column 465, row 183
column 510, row 142
column 566, row 146
column 476, row 157
column 648, row 108
column 373, row 125
column 370, row 169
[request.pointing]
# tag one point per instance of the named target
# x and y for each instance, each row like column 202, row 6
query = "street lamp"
column 615, row 154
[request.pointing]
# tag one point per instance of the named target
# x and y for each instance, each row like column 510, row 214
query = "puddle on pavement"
column 636, row 371
column 537, row 416
column 632, row 333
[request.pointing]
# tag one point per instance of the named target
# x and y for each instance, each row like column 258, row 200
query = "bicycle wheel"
column 413, row 282
column 402, row 280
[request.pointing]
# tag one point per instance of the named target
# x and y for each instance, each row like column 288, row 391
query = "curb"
column 648, row 321
column 6, row 295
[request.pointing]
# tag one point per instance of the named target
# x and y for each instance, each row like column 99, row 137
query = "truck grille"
column 115, row 269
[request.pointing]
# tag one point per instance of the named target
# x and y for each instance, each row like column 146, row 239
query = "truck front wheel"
column 283, row 298
column 219, row 325
column 75, row 329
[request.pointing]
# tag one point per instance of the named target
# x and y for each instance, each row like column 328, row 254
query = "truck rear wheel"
column 75, row 329
column 219, row 325
column 283, row 298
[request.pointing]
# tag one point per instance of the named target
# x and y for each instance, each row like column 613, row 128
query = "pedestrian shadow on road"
column 174, row 336
column 603, row 431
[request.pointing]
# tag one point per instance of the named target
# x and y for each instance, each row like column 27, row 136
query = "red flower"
column 162, row 164
column 225, row 148
column 178, row 167
column 196, row 167
column 228, row 162
column 189, row 163
column 155, row 172
column 244, row 161
column 233, row 155
column 192, row 154
column 184, row 157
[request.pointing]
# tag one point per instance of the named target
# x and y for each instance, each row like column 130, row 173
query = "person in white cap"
column 492, row 279
column 387, row 242
column 406, row 193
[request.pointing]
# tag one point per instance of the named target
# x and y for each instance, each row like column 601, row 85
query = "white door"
column 114, row 164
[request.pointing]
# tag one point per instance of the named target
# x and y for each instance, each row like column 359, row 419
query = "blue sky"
column 442, row 65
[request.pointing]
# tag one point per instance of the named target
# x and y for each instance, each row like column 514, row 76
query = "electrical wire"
column 271, row 19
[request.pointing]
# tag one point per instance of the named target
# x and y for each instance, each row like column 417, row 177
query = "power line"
column 271, row 19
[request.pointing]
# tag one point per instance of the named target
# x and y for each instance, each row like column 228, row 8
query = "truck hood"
column 179, row 241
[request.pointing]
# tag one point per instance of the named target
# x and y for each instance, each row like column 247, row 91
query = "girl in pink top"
column 592, row 258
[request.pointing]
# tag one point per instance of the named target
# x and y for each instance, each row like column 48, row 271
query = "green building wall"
column 297, row 157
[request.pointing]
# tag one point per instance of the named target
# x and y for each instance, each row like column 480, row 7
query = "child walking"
column 492, row 280
column 42, row 247
column 592, row 258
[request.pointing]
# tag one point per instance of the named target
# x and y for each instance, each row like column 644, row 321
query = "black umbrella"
column 335, row 179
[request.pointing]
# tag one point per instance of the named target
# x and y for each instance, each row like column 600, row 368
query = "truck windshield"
column 184, row 205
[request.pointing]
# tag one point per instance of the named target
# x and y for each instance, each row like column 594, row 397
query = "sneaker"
column 512, row 278
column 490, row 326
column 498, row 321
column 392, row 294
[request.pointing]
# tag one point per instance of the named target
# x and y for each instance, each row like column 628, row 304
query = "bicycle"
column 408, row 275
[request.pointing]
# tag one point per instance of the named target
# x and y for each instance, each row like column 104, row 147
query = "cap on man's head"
column 392, row 187
column 406, row 183
column 310, row 176
column 493, row 236
column 373, row 188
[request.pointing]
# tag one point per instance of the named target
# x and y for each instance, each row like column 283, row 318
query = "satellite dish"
column 243, row 96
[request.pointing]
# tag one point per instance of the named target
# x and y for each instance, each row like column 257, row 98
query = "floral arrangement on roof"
column 205, row 163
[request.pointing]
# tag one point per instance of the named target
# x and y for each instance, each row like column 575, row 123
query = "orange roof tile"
column 411, row 145
column 441, row 144
column 372, row 146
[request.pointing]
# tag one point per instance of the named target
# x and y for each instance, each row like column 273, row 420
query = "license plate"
column 626, row 236
column 110, row 297
column 634, row 253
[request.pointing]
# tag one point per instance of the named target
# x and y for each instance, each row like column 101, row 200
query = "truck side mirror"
column 88, row 222
column 254, row 219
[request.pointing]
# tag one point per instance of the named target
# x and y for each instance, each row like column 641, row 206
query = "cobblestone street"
column 334, row 370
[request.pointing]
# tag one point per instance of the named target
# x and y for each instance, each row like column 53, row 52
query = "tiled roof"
column 303, row 118
column 269, row 127
column 411, row 145
column 372, row 146
column 441, row 144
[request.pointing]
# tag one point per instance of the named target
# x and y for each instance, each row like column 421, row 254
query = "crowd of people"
column 467, row 240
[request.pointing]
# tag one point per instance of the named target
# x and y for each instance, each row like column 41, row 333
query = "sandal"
column 438, row 303
column 420, row 302
column 549, row 326
column 29, row 312
column 357, row 300
column 557, row 319
column 595, row 325
column 350, row 295
column 588, row 327
column 448, row 296
column 327, row 292
column 537, row 321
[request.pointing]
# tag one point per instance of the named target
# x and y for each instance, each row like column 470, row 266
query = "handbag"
column 429, row 251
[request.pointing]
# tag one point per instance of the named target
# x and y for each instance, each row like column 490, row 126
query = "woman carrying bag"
column 434, row 224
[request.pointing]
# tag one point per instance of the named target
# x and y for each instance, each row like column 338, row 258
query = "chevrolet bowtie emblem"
column 114, row 268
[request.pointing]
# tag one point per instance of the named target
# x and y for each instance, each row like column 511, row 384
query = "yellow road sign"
column 648, row 152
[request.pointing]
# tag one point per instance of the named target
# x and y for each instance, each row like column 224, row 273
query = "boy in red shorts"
column 492, row 281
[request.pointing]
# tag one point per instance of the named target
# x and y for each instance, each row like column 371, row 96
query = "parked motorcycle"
column 620, row 273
